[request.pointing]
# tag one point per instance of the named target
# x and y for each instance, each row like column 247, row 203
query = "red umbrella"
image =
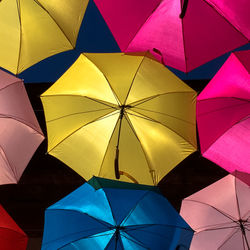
column 20, row 133
column 11, row 235
column 220, row 215
column 205, row 30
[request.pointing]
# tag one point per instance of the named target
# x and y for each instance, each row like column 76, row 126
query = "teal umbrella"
column 107, row 214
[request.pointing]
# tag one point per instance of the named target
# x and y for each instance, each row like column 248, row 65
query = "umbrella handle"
column 117, row 172
column 184, row 9
column 129, row 176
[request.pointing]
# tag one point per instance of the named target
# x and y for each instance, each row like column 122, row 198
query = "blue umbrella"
column 114, row 215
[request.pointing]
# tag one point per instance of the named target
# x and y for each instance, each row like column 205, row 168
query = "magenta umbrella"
column 223, row 115
column 183, row 34
column 220, row 215
column 20, row 133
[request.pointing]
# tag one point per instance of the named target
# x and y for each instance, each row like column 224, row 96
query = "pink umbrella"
column 223, row 115
column 20, row 133
column 206, row 30
column 220, row 215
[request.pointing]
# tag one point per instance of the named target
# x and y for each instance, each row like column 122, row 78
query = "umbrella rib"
column 136, row 241
column 154, row 233
column 40, row 5
column 109, row 206
column 153, row 120
column 97, row 119
column 8, row 163
column 87, row 97
column 109, row 242
column 20, row 121
column 20, row 35
column 134, row 78
column 90, row 236
column 228, row 238
column 149, row 16
column 224, row 97
column 104, row 223
column 146, row 99
column 237, row 201
column 107, row 147
column 116, row 97
column 17, row 81
column 136, row 227
column 14, row 231
column 177, row 118
column 132, row 209
column 184, row 47
column 147, row 160
column 77, row 113
column 219, row 109
column 221, row 14
column 223, row 213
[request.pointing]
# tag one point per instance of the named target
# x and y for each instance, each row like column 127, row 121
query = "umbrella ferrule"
column 122, row 109
column 242, row 226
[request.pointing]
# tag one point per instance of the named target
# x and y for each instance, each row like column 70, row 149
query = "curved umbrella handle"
column 129, row 176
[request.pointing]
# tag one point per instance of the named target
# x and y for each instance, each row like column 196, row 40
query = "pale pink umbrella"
column 20, row 133
column 206, row 30
column 223, row 115
column 220, row 215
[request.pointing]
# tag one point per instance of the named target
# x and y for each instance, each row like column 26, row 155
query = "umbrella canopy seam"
column 39, row 4
column 82, row 126
column 9, row 165
column 213, row 6
column 153, row 120
column 223, row 213
column 133, row 80
column 116, row 97
column 17, row 119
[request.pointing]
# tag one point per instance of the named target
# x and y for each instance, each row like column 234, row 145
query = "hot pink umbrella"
column 208, row 29
column 223, row 115
column 20, row 133
column 220, row 215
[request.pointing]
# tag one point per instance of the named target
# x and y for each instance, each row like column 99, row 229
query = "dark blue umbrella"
column 114, row 215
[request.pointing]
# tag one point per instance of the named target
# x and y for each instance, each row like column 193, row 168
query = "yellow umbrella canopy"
column 31, row 30
column 120, row 116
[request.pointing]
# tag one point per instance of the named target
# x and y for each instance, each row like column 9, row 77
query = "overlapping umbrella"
column 183, row 34
column 121, row 117
column 20, row 133
column 119, row 216
column 32, row 30
column 223, row 115
column 220, row 215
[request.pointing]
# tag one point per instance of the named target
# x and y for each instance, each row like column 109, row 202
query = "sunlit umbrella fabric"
column 119, row 217
column 120, row 116
column 220, row 214
column 33, row 30
column 223, row 115
column 20, row 133
column 208, row 29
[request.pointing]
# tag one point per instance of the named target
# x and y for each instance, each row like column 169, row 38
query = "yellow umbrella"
column 120, row 116
column 31, row 30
